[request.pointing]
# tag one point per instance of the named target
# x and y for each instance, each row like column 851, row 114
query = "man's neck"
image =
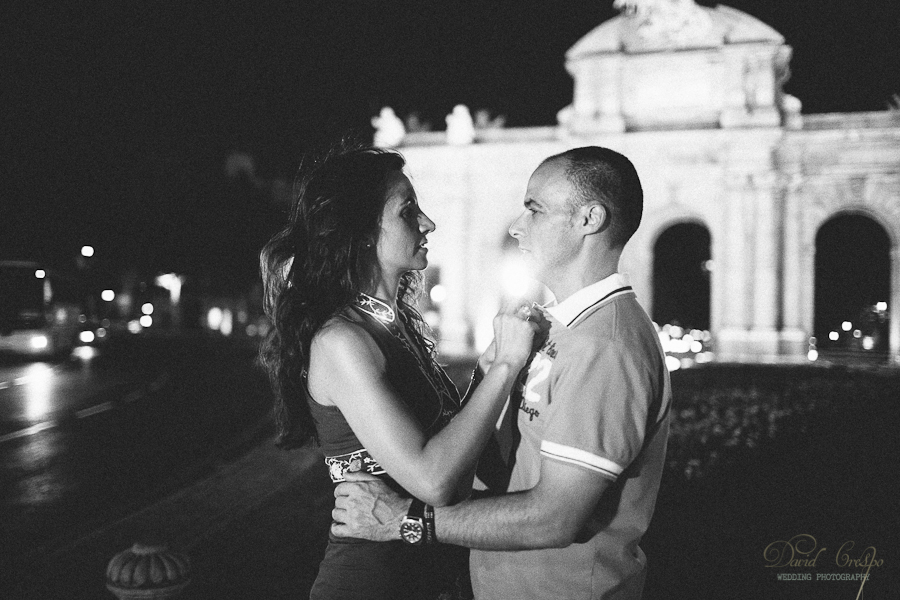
column 578, row 280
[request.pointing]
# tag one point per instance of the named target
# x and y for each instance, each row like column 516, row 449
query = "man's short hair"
column 602, row 175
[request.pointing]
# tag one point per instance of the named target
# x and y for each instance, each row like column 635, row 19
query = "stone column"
column 732, row 270
column 455, row 276
column 894, row 306
column 794, row 336
column 767, row 249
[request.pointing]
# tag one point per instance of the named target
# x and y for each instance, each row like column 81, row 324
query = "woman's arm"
column 348, row 370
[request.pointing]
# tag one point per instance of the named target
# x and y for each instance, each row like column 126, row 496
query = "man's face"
column 545, row 229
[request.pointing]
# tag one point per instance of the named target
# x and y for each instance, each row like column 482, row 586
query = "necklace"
column 374, row 307
column 387, row 317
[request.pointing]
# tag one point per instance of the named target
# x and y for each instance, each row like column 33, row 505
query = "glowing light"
column 672, row 363
column 846, row 325
column 676, row 332
column 40, row 273
column 881, row 306
column 87, row 251
column 39, row 342
column 709, row 265
column 38, row 381
column 86, row 337
column 108, row 295
column 704, row 357
column 146, row 321
column 687, row 363
column 679, row 346
column 134, row 326
column 227, row 321
column 85, row 352
column 813, row 354
column 833, row 336
column 438, row 294
column 147, row 308
column 173, row 283
column 432, row 317
column 664, row 339
column 688, row 339
column 857, row 333
column 101, row 332
column 696, row 347
column 251, row 330
column 868, row 342
column 214, row 318
column 515, row 278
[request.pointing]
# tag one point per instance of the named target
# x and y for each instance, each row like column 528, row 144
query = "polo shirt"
column 597, row 396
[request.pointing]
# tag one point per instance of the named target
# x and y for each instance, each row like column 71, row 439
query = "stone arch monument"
column 693, row 95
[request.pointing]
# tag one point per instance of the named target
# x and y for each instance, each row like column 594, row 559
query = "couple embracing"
column 561, row 434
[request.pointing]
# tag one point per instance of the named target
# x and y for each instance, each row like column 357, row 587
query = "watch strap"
column 425, row 513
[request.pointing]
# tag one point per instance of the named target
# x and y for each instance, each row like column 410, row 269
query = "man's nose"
column 515, row 229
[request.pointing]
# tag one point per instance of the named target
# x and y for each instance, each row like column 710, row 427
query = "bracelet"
column 477, row 375
column 428, row 520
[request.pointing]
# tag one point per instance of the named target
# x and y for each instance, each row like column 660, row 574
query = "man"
column 589, row 440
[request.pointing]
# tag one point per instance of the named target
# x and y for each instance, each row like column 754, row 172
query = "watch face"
column 411, row 531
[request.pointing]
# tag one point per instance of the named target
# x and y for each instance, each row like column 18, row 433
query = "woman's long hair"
column 318, row 263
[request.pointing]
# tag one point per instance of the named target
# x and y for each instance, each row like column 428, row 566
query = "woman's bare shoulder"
column 343, row 337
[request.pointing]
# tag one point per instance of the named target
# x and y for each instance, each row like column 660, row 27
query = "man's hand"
column 364, row 507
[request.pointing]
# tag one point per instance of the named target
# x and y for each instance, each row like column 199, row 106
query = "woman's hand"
column 514, row 329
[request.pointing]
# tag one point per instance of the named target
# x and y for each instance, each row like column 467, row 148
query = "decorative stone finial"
column 460, row 126
column 389, row 129
column 148, row 572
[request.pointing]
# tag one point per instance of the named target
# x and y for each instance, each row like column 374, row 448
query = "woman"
column 352, row 367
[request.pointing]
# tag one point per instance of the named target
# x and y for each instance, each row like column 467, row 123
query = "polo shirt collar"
column 572, row 307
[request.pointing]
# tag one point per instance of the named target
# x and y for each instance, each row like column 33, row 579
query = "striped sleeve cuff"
column 581, row 458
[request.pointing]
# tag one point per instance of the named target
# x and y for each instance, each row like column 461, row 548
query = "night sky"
column 118, row 116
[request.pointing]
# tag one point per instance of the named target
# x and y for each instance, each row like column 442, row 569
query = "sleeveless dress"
column 359, row 569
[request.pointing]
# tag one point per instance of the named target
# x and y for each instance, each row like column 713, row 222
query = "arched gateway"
column 696, row 101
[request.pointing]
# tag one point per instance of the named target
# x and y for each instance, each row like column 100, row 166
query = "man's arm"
column 550, row 515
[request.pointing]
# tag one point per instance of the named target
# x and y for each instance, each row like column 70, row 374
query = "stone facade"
column 743, row 163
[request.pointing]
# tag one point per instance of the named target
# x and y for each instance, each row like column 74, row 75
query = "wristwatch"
column 418, row 525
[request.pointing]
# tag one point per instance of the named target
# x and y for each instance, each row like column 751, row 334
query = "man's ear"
column 595, row 218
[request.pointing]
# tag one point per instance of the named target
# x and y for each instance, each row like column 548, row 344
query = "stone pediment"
column 670, row 64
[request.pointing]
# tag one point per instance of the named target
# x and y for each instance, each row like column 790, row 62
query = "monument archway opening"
column 852, row 284
column 681, row 276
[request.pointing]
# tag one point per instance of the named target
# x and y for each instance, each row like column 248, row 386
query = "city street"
column 100, row 434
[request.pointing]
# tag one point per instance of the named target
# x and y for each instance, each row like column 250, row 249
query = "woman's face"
column 401, row 241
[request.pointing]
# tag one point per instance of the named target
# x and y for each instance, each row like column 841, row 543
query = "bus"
column 40, row 310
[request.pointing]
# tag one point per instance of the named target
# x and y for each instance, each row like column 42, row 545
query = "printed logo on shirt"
column 535, row 384
column 538, row 372
column 549, row 348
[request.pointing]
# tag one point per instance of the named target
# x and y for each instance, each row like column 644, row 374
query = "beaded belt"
column 358, row 461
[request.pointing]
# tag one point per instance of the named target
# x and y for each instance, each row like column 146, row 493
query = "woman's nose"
column 426, row 225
